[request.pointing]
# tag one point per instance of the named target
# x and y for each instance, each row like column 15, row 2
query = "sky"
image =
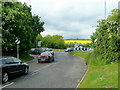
column 73, row 19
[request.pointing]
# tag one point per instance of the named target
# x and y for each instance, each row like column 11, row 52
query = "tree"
column 106, row 39
column 18, row 22
column 55, row 41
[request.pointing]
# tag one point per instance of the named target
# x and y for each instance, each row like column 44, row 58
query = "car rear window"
column 45, row 54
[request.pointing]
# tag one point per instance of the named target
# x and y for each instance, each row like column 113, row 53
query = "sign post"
column 17, row 41
column 39, row 43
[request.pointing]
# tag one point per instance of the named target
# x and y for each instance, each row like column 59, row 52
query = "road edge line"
column 7, row 85
column 83, row 77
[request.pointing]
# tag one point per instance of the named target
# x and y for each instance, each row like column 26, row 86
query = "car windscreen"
column 0, row 61
column 68, row 48
column 32, row 49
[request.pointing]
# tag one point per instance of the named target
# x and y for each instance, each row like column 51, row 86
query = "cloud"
column 70, row 18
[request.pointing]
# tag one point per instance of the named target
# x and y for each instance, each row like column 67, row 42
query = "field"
column 78, row 41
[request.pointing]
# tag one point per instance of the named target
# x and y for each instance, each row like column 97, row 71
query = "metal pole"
column 36, row 43
column 17, row 51
column 105, row 9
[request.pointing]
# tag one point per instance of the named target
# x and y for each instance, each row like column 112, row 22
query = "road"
column 65, row 72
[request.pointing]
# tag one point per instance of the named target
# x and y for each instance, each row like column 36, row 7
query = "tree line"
column 106, row 39
column 55, row 41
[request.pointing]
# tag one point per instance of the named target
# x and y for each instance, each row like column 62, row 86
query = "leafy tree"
column 39, row 37
column 106, row 39
column 18, row 22
column 55, row 41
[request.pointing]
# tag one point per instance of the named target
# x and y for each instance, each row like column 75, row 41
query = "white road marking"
column 82, row 77
column 7, row 85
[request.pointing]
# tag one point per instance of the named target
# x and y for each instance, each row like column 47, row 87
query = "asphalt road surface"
column 65, row 72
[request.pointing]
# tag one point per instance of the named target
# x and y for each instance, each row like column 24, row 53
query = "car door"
column 10, row 66
column 20, row 66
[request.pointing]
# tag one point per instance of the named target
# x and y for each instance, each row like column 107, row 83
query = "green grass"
column 62, row 50
column 100, row 75
column 79, row 53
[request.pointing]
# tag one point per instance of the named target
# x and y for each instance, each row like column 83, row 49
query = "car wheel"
column 26, row 70
column 50, row 61
column 5, row 77
column 39, row 62
column 53, row 59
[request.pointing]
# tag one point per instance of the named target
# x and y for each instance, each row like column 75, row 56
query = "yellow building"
column 78, row 41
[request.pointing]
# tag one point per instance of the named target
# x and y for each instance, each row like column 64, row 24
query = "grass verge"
column 99, row 75
column 82, row 54
column 62, row 50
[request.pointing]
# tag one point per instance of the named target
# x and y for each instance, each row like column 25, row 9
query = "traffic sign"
column 17, row 41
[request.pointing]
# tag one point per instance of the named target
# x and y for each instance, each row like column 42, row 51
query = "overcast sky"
column 71, row 18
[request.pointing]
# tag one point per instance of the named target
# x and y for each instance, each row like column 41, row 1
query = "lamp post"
column 105, row 9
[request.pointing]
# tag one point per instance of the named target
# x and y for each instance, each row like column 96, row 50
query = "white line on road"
column 7, row 84
column 82, row 78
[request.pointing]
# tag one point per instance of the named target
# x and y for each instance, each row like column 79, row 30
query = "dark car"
column 11, row 66
column 69, row 50
column 36, row 51
column 44, row 49
column 32, row 51
column 50, row 50
column 45, row 56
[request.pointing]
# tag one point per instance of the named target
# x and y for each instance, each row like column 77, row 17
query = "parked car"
column 36, row 51
column 11, row 66
column 44, row 49
column 69, row 50
column 50, row 50
column 45, row 56
column 32, row 51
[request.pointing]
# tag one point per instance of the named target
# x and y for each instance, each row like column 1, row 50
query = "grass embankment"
column 99, row 75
